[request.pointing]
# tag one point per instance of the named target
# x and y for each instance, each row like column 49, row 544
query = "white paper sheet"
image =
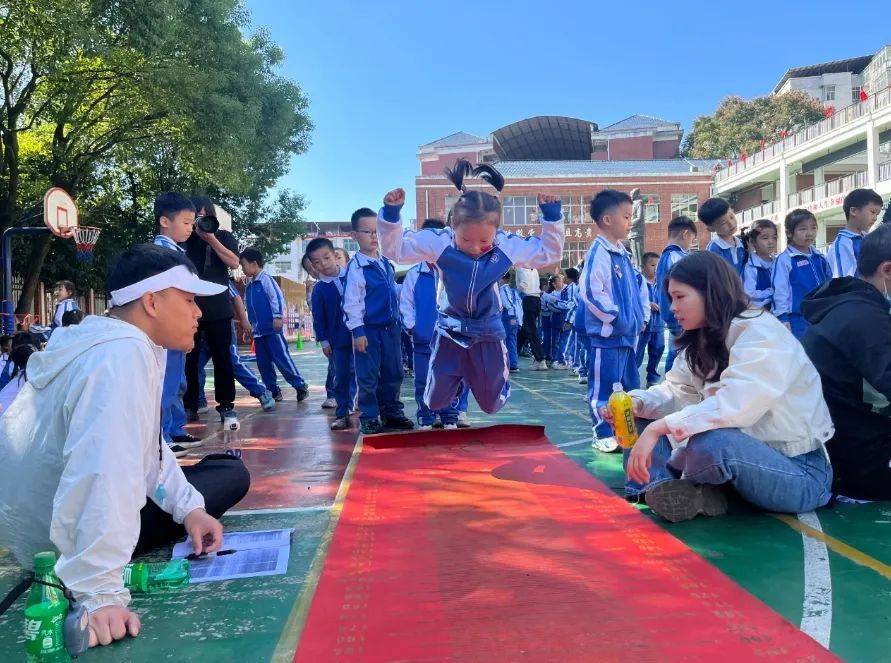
column 263, row 553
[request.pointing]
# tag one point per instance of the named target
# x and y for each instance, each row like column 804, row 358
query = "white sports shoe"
column 329, row 404
column 450, row 427
column 230, row 420
column 539, row 366
column 606, row 445
column 583, row 379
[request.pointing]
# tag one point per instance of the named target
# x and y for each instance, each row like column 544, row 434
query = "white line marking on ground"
column 573, row 443
column 285, row 509
column 816, row 610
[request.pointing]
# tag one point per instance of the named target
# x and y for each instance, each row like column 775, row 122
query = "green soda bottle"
column 45, row 612
column 148, row 577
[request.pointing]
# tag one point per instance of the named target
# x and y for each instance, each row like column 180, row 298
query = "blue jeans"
column 759, row 473
column 652, row 342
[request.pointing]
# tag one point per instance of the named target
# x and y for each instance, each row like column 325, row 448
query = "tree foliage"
column 118, row 100
column 738, row 126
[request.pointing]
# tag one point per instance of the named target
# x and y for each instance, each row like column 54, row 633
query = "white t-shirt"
column 527, row 282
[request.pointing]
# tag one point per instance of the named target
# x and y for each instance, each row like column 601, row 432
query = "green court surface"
column 829, row 572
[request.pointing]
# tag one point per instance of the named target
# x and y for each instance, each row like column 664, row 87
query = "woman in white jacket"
column 742, row 406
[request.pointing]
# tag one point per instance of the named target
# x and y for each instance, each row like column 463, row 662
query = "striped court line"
column 816, row 609
column 279, row 510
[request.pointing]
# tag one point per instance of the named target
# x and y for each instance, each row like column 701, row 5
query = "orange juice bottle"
column 622, row 408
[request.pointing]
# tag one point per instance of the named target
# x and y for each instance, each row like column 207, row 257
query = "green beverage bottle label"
column 45, row 632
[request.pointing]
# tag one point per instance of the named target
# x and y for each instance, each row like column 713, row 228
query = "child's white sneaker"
column 539, row 366
column 450, row 427
column 583, row 379
column 606, row 445
column 329, row 404
column 230, row 420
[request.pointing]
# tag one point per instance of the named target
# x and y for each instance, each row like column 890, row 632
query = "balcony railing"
column 840, row 118
column 827, row 189
column 884, row 172
column 760, row 212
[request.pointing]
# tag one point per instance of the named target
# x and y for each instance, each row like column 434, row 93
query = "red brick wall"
column 656, row 233
column 666, row 149
column 627, row 149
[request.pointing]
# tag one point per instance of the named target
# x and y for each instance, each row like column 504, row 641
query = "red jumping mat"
column 491, row 545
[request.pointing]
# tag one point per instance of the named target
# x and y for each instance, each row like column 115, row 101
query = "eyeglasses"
column 370, row 233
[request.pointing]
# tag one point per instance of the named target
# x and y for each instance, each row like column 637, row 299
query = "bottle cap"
column 617, row 386
column 45, row 561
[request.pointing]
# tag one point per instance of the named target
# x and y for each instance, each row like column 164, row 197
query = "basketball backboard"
column 59, row 212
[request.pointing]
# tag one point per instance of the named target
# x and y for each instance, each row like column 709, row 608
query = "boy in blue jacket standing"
column 681, row 234
column 371, row 311
column 719, row 218
column 331, row 332
column 265, row 305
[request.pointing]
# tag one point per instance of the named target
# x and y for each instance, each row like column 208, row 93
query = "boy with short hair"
column 512, row 319
column 372, row 316
column 64, row 292
column 681, row 235
column 613, row 316
column 174, row 221
column 719, row 218
column 330, row 330
column 265, row 305
column 652, row 338
column 862, row 208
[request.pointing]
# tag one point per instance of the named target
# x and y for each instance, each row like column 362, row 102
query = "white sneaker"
column 450, row 427
column 559, row 365
column 203, row 410
column 427, row 427
column 230, row 420
column 329, row 404
column 539, row 366
column 606, row 445
column 583, row 379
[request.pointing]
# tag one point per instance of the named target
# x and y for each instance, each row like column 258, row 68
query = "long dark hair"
column 724, row 297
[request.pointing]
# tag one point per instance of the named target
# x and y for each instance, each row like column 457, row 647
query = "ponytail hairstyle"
column 795, row 218
column 724, row 299
column 752, row 233
column 474, row 206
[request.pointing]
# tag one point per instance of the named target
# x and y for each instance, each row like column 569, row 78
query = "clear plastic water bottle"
column 621, row 406
column 45, row 612
column 149, row 577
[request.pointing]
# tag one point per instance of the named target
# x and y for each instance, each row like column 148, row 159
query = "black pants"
column 529, row 330
column 222, row 480
column 218, row 335
column 860, row 466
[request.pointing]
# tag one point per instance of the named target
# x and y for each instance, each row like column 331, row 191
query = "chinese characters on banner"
column 576, row 231
column 825, row 203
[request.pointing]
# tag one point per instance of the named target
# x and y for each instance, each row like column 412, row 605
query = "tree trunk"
column 35, row 264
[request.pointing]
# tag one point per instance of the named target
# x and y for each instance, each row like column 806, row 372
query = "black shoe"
column 371, row 427
column 437, row 425
column 302, row 394
column 399, row 423
column 178, row 451
column 681, row 499
column 278, row 397
column 187, row 441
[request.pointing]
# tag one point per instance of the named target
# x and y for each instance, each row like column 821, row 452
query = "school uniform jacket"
column 512, row 302
column 327, row 313
column 795, row 274
column 61, row 309
column 264, row 302
column 843, row 253
column 417, row 303
column 611, row 293
column 644, row 294
column 469, row 298
column 758, row 280
column 369, row 296
column 733, row 252
column 656, row 323
column 670, row 255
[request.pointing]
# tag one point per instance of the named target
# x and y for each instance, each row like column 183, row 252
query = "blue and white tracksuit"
column 652, row 338
column 670, row 255
column 758, row 280
column 265, row 302
column 512, row 319
column 570, row 348
column 614, row 319
column 733, row 252
column 579, row 329
column 332, row 332
column 843, row 253
column 62, row 308
column 468, row 347
column 173, row 413
column 795, row 274
column 417, row 304
column 557, row 304
column 371, row 309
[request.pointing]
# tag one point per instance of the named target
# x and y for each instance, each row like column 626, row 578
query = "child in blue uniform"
column 570, row 352
column 614, row 315
column 719, row 218
column 681, row 235
column 558, row 304
column 652, row 338
column 512, row 319
column 330, row 330
column 64, row 291
column 471, row 258
column 761, row 240
column 372, row 316
column 862, row 208
column 798, row 270
column 265, row 305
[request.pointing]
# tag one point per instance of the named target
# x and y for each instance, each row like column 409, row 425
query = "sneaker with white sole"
column 450, row 427
column 341, row 424
column 538, row 366
column 462, row 420
column 186, row 441
column 267, row 402
column 606, row 445
column 178, row 451
column 329, row 404
column 583, row 379
column 681, row 499
column 203, row 409
column 559, row 365
column 230, row 420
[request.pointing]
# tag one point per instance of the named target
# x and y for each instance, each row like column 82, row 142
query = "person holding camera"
column 214, row 252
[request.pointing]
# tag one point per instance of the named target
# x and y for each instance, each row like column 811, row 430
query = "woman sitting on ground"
column 744, row 396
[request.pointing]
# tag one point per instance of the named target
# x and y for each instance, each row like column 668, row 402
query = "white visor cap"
column 178, row 277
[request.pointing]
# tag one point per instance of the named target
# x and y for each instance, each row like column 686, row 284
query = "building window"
column 574, row 252
column 651, row 207
column 828, row 93
column 855, row 94
column 520, row 210
column 282, row 266
column 684, row 204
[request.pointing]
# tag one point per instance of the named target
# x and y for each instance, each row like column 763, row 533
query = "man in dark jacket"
column 849, row 341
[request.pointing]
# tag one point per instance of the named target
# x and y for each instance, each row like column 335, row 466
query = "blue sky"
column 386, row 77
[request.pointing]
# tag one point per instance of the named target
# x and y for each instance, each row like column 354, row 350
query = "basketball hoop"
column 85, row 238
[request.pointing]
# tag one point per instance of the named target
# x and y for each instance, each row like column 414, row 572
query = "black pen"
column 193, row 556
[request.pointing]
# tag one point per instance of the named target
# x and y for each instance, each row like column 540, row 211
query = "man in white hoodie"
column 82, row 450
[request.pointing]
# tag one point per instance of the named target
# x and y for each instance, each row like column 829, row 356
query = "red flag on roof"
column 863, row 95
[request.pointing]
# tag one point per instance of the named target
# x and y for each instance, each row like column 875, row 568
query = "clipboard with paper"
column 242, row 555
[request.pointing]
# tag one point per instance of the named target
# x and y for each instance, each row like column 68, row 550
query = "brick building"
column 527, row 152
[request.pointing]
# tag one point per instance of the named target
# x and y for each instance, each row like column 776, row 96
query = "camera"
column 207, row 223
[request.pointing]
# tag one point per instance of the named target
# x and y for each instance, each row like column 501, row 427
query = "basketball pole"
column 8, row 306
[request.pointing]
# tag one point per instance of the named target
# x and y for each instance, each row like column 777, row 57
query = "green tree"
column 739, row 126
column 116, row 100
